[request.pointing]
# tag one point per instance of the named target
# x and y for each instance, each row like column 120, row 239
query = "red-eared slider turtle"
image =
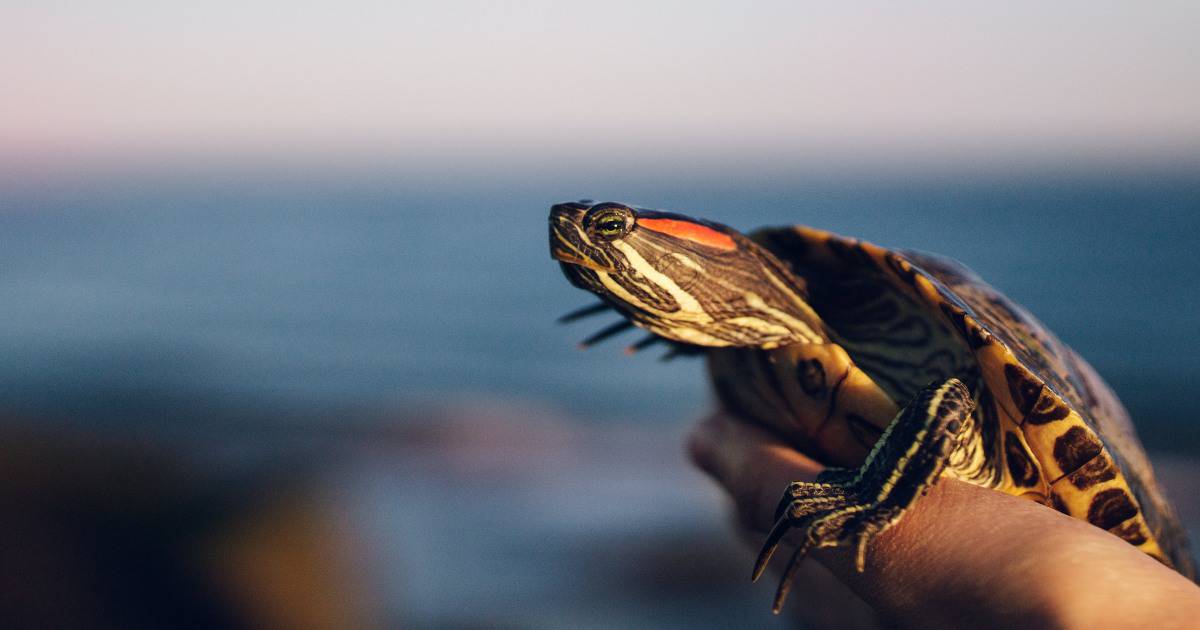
column 892, row 367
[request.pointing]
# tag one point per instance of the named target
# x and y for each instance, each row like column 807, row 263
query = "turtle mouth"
column 572, row 259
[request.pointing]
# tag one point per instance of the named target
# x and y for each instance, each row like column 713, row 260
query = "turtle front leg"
column 850, row 507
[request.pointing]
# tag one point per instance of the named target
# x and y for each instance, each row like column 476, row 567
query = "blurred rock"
column 99, row 531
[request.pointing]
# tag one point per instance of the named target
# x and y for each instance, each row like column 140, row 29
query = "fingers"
column 750, row 463
column 755, row 467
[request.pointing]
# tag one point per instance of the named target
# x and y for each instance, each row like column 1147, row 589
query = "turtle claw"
column 786, row 500
column 802, row 502
column 794, row 491
column 789, row 577
column 585, row 311
column 769, row 546
column 605, row 333
column 643, row 343
column 825, row 523
column 860, row 554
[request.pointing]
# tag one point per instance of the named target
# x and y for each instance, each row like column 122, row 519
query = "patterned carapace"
column 834, row 343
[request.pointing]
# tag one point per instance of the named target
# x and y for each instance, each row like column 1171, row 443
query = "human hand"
column 963, row 555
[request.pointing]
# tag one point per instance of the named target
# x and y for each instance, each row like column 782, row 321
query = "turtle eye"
column 610, row 224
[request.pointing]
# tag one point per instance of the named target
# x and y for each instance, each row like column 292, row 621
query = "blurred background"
column 278, row 333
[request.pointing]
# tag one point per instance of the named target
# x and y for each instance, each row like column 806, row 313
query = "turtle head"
column 688, row 280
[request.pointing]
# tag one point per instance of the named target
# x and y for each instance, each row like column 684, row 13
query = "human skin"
column 963, row 555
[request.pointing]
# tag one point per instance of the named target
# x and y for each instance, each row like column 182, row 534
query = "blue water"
column 132, row 299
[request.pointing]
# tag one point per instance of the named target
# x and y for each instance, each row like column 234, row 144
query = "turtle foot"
column 847, row 507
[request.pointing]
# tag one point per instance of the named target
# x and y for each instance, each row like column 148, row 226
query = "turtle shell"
column 1052, row 430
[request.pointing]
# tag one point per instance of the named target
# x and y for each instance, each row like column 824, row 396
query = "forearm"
column 964, row 556
column 972, row 557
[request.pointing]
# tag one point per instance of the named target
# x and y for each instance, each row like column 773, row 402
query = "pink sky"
column 267, row 77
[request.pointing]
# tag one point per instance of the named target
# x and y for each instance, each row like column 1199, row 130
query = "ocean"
column 174, row 300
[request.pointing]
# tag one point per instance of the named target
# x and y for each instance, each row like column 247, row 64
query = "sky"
column 267, row 78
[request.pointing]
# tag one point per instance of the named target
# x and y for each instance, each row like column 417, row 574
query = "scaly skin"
column 825, row 339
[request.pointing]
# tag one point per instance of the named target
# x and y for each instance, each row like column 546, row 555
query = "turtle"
column 893, row 368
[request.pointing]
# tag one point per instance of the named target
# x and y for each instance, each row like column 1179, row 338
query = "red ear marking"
column 690, row 231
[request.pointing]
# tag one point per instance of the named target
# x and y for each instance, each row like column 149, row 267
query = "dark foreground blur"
column 478, row 516
column 482, row 515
